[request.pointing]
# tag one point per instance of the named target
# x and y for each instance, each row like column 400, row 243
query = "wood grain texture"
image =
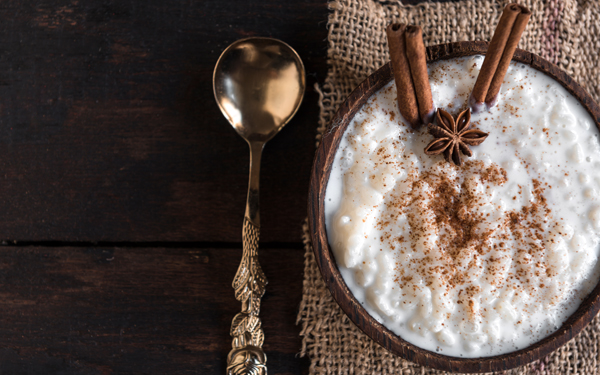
column 138, row 310
column 109, row 132
column 326, row 261
column 109, row 129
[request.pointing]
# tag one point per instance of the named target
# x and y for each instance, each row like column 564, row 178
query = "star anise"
column 452, row 136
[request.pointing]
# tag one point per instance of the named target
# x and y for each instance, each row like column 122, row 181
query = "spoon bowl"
column 259, row 84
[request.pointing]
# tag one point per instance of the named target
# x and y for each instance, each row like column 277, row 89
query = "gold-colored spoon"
column 259, row 84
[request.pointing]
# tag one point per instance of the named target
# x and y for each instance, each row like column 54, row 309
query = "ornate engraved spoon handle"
column 246, row 356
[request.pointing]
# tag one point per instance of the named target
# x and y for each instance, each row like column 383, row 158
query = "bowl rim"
column 325, row 259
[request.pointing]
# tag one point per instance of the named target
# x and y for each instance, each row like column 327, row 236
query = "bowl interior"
column 326, row 261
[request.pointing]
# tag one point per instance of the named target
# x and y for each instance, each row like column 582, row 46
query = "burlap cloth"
column 565, row 32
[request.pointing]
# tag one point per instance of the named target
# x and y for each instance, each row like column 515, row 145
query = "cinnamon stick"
column 407, row 100
column 509, row 51
column 417, row 59
column 494, row 55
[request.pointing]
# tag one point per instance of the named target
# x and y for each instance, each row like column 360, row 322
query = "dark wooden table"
column 122, row 187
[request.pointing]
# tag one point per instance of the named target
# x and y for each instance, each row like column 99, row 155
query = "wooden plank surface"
column 137, row 310
column 109, row 130
column 122, row 187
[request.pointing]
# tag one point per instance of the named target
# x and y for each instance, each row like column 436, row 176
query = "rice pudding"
column 477, row 260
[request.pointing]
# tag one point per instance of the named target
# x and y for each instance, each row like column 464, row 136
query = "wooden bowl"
column 326, row 260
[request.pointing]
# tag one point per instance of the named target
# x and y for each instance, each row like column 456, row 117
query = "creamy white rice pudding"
column 477, row 260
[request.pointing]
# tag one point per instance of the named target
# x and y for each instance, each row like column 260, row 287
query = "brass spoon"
column 258, row 84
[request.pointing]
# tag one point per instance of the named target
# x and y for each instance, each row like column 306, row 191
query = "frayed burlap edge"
column 566, row 32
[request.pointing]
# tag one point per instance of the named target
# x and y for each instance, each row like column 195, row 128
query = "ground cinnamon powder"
column 459, row 254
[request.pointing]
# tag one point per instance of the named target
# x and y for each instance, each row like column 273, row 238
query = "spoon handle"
column 246, row 356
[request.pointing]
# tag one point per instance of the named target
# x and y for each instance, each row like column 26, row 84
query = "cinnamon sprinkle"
column 459, row 256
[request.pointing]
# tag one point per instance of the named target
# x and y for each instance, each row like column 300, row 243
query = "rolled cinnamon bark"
column 417, row 59
column 509, row 51
column 407, row 101
column 494, row 55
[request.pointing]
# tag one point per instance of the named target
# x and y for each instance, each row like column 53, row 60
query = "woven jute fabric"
column 565, row 32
